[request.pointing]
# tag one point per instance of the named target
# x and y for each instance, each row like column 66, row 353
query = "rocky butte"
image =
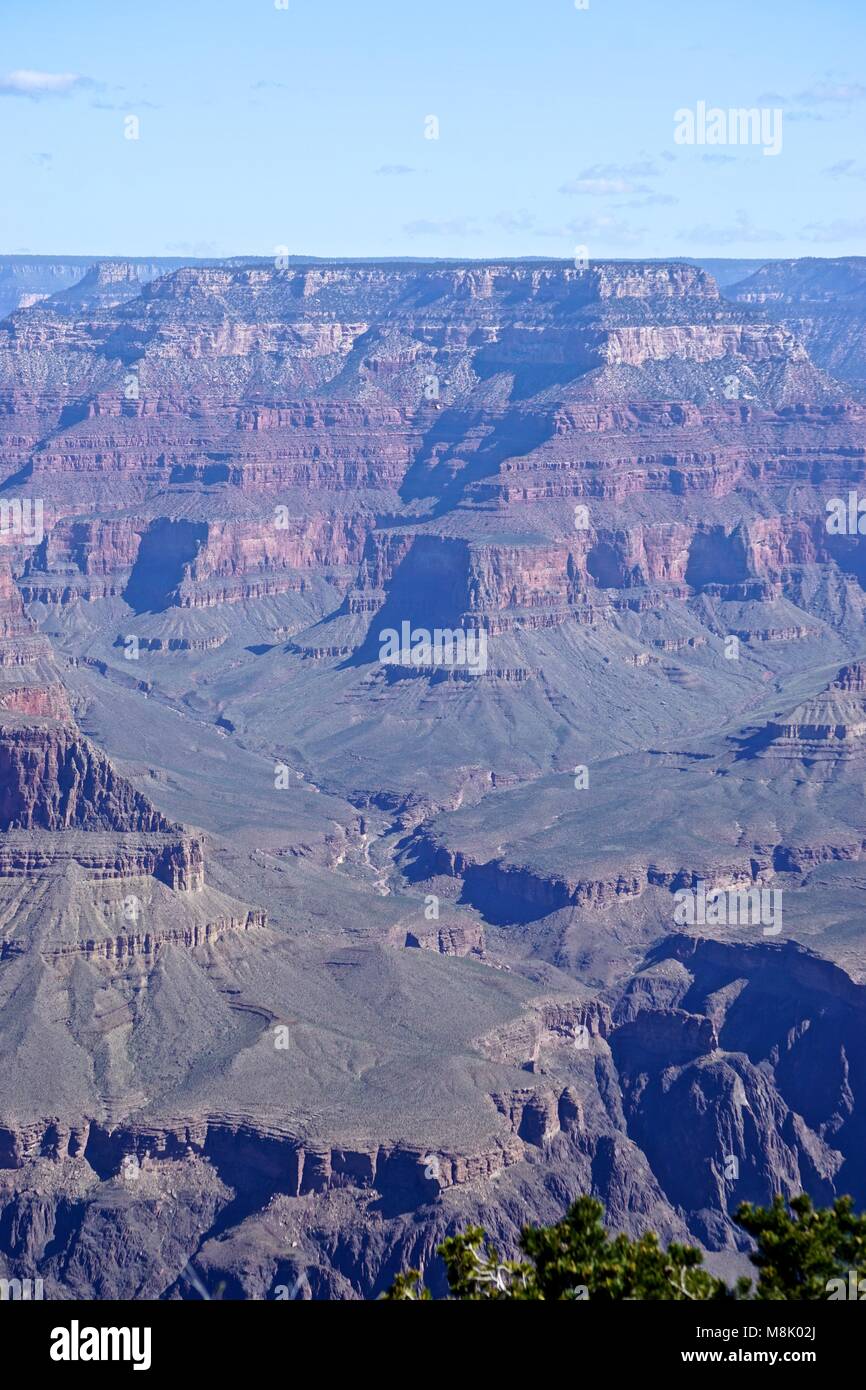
column 308, row 958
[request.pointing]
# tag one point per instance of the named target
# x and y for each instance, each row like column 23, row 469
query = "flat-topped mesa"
column 371, row 334
column 25, row 280
column 423, row 284
column 106, row 284
column 115, row 272
column 829, row 727
column 812, row 280
column 463, row 323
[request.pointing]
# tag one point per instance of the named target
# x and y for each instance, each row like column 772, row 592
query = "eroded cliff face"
column 720, row 1073
column 293, row 416
column 822, row 302
column 88, row 866
column 53, row 780
column 30, row 683
column 464, row 994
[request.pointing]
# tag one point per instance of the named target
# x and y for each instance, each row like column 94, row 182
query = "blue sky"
column 262, row 127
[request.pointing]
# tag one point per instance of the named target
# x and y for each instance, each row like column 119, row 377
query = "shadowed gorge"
column 166, row 551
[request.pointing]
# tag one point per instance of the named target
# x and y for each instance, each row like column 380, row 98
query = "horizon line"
column 302, row 258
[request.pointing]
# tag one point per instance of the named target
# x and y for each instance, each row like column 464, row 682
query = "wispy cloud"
column 840, row 229
column 837, row 93
column 606, row 229
column 742, row 229
column 805, row 113
column 395, row 170
column 824, row 100
column 455, row 226
column 847, row 169
column 519, row 221
column 611, row 180
column 124, row 106
column 592, row 229
column 620, row 181
column 206, row 249
column 26, row 82
column 603, row 187
column 650, row 200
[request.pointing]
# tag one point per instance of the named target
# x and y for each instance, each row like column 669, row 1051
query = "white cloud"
column 26, row 82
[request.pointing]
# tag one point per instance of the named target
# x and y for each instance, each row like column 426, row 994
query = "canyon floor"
column 308, row 957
